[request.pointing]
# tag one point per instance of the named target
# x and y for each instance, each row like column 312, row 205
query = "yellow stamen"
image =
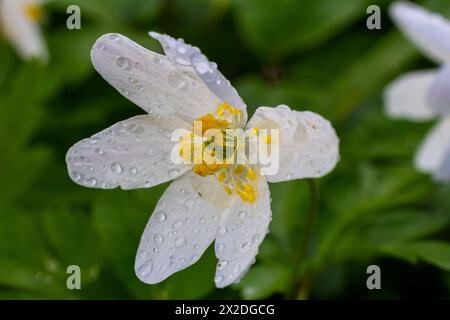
column 221, row 177
column 33, row 12
column 239, row 169
column 251, row 174
column 209, row 122
column 226, row 107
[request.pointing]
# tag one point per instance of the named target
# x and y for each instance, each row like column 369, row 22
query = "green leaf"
column 433, row 252
column 294, row 24
column 262, row 281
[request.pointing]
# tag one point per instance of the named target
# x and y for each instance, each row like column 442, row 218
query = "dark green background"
column 312, row 55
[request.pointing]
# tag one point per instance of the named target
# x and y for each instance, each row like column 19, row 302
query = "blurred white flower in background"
column 226, row 204
column 19, row 23
column 425, row 95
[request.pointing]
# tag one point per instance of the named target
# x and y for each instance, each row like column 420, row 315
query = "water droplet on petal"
column 175, row 80
column 156, row 60
column 218, row 279
column 98, row 150
column 123, row 63
column 77, row 176
column 222, row 231
column 158, row 239
column 188, row 203
column 116, row 168
column 145, row 268
column 181, row 49
column 242, row 215
column 183, row 61
column 92, row 182
column 173, row 173
column 177, row 224
column 133, row 171
column 180, row 241
column 160, row 216
column 114, row 37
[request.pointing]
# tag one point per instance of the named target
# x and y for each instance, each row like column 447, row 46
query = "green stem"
column 300, row 289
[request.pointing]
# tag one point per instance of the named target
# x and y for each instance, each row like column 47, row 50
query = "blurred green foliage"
column 312, row 55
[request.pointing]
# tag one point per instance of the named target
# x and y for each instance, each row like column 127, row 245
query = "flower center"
column 213, row 147
column 33, row 11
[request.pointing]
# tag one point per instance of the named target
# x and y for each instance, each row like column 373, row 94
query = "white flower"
column 19, row 21
column 228, row 205
column 425, row 95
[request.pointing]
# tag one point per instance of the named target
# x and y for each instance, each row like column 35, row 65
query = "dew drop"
column 158, row 239
column 218, row 279
column 77, row 176
column 182, row 61
column 156, row 60
column 180, row 241
column 181, row 49
column 175, row 80
column 242, row 215
column 98, row 151
column 133, row 171
column 188, row 203
column 173, row 173
column 116, row 168
column 114, row 37
column 123, row 63
column 145, row 268
column 160, row 216
column 177, row 224
column 222, row 231
column 92, row 182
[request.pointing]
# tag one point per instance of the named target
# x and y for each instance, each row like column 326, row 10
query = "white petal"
column 179, row 231
column 238, row 239
column 150, row 80
column 432, row 152
column 439, row 94
column 187, row 56
column 23, row 33
column 429, row 31
column 309, row 146
column 443, row 173
column 406, row 97
column 135, row 153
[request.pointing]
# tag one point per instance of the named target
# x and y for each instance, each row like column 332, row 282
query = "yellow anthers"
column 268, row 139
column 251, row 174
column 204, row 169
column 226, row 107
column 33, row 12
column 237, row 179
column 239, row 169
column 210, row 122
column 248, row 194
column 221, row 176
